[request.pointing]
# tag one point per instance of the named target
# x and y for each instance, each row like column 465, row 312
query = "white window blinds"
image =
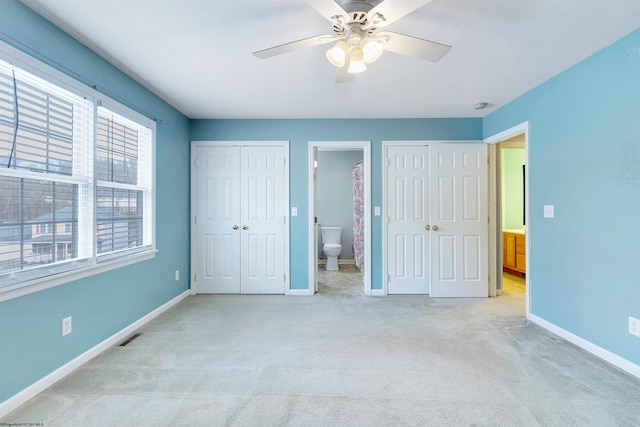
column 123, row 200
column 76, row 179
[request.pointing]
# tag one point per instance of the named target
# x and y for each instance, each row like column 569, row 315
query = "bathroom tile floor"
column 346, row 281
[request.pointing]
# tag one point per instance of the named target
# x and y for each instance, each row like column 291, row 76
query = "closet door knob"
column 244, row 227
column 427, row 227
column 235, row 227
column 435, row 228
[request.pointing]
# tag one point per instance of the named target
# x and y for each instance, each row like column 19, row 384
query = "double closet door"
column 240, row 219
column 437, row 220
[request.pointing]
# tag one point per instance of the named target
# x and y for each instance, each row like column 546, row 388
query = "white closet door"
column 407, row 210
column 262, row 220
column 459, row 220
column 240, row 198
column 218, row 208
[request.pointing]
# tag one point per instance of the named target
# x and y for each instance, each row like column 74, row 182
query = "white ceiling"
column 197, row 54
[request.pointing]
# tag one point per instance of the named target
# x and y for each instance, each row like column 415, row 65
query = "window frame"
column 96, row 264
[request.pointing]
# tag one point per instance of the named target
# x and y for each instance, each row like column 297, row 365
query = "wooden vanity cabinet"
column 514, row 252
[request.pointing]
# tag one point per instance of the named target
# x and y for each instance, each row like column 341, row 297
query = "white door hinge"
column 195, row 277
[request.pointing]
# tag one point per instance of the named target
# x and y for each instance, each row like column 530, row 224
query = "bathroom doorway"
column 509, row 214
column 337, row 170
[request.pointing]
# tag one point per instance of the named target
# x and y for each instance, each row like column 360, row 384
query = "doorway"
column 509, row 215
column 354, row 263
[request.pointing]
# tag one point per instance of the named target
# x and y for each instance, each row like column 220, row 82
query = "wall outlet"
column 634, row 326
column 548, row 211
column 66, row 326
column 177, row 275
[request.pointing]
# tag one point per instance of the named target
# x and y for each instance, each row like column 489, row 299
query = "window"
column 124, row 183
column 76, row 178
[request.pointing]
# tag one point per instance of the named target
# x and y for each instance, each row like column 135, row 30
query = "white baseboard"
column 300, row 292
column 377, row 292
column 39, row 386
column 598, row 351
column 340, row 261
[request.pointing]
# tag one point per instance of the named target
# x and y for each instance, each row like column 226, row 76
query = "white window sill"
column 37, row 285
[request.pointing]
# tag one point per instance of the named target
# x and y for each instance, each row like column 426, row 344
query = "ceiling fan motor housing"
column 358, row 5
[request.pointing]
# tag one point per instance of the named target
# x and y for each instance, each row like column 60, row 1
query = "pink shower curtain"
column 358, row 215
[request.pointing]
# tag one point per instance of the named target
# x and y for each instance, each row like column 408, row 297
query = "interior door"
column 218, row 208
column 262, row 220
column 459, row 220
column 240, row 219
column 407, row 210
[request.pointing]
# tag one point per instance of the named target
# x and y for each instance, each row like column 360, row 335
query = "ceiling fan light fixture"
column 356, row 63
column 371, row 50
column 337, row 55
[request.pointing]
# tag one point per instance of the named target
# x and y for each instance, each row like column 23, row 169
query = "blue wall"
column 300, row 132
column 102, row 305
column 584, row 158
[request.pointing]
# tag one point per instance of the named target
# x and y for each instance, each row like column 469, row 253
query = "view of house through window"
column 75, row 179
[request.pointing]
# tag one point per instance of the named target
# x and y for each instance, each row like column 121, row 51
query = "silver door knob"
column 235, row 227
column 427, row 227
column 435, row 228
column 244, row 227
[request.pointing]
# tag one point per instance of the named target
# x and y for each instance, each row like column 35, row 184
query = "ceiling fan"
column 355, row 24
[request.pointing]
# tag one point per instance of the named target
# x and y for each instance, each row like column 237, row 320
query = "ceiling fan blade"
column 299, row 44
column 342, row 76
column 327, row 8
column 413, row 46
column 392, row 10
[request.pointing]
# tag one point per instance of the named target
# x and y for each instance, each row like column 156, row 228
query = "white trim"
column 301, row 292
column 592, row 348
column 378, row 292
column 522, row 128
column 365, row 146
column 39, row 386
column 287, row 210
column 340, row 262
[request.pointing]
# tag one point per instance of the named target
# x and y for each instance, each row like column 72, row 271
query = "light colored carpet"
column 341, row 360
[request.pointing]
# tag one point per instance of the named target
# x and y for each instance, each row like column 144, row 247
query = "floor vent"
column 131, row 338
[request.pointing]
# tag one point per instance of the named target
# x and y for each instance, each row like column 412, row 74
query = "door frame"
column 365, row 146
column 495, row 241
column 194, row 200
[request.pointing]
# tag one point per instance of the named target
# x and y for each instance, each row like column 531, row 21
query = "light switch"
column 376, row 210
column 294, row 211
column 548, row 211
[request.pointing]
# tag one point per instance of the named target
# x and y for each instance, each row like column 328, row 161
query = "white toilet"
column 331, row 239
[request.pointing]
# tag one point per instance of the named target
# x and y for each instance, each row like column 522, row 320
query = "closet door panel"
column 218, row 206
column 262, row 218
